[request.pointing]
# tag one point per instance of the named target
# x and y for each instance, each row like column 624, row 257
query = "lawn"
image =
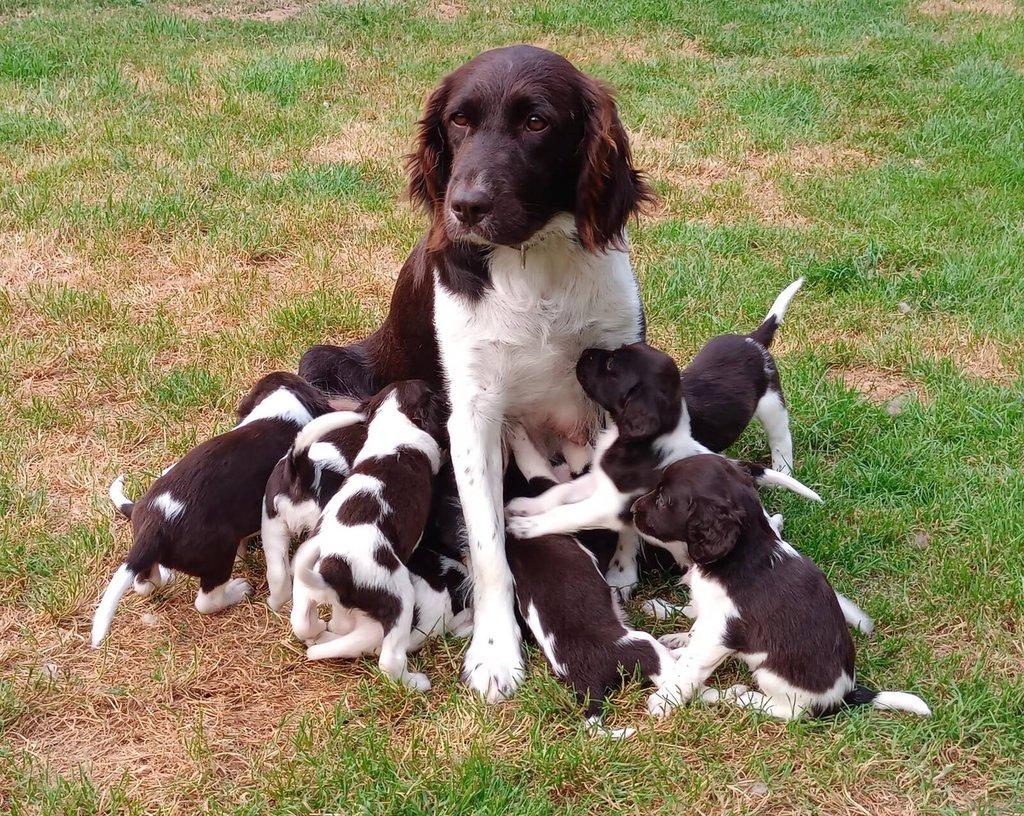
column 193, row 193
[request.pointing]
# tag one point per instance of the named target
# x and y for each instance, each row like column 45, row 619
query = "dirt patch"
column 992, row 8
column 267, row 12
column 361, row 141
column 446, row 9
column 878, row 386
column 975, row 355
column 27, row 258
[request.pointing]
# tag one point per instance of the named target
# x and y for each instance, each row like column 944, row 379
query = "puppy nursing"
column 197, row 514
column 356, row 559
column 754, row 597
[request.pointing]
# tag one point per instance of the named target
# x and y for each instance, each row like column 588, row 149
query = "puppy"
column 571, row 611
column 640, row 388
column 733, row 379
column 754, row 597
column 197, row 514
column 356, row 559
column 301, row 484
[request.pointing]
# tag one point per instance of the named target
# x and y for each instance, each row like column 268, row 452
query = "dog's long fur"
column 754, row 597
column 526, row 171
column 356, row 559
column 195, row 516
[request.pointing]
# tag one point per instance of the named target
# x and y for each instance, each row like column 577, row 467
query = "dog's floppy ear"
column 609, row 189
column 639, row 417
column 712, row 530
column 430, row 162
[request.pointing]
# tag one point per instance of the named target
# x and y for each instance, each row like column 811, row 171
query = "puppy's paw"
column 237, row 590
column 277, row 601
column 524, row 527
column 662, row 702
column 494, row 663
column 660, row 609
column 523, row 506
column 735, row 692
column 416, row 681
column 677, row 640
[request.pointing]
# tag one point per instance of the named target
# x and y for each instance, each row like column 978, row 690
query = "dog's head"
column 424, row 406
column 703, row 501
column 516, row 136
column 637, row 384
column 311, row 398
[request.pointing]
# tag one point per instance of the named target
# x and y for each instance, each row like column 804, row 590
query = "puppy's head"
column 312, row 398
column 516, row 136
column 424, row 406
column 637, row 384
column 701, row 500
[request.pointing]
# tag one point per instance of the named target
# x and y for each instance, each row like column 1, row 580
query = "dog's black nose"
column 470, row 204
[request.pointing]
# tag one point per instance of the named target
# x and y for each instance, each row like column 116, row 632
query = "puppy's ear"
column 430, row 161
column 711, row 531
column 609, row 189
column 639, row 418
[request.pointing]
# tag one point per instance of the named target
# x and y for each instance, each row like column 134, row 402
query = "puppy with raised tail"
column 356, row 559
column 571, row 611
column 198, row 513
column 755, row 597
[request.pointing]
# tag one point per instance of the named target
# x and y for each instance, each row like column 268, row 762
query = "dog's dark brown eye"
column 459, row 119
column 536, row 123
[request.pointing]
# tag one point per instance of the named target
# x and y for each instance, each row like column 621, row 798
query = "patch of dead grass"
column 363, row 140
column 267, row 11
column 991, row 8
column 877, row 385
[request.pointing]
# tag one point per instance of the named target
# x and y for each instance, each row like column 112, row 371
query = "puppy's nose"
column 470, row 204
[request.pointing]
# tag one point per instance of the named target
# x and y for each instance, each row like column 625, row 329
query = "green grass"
column 192, row 195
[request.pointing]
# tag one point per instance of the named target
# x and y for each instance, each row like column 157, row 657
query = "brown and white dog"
column 305, row 479
column 356, row 559
column 572, row 613
column 755, row 597
column 526, row 171
column 197, row 514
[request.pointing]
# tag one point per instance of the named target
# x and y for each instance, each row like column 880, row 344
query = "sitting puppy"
column 197, row 514
column 733, row 379
column 571, row 611
column 754, row 597
column 301, row 484
column 640, row 388
column 356, row 559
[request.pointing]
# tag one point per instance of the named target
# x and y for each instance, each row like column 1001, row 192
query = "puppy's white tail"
column 123, row 504
column 901, row 701
column 765, row 333
column 119, row 584
column 304, row 563
column 887, row 700
column 315, row 429
column 766, row 477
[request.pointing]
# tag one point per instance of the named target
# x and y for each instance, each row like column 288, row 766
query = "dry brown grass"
column 267, row 11
column 992, row 8
column 877, row 385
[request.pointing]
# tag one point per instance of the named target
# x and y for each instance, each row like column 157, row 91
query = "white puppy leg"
column 364, row 639
column 623, row 573
column 305, row 617
column 221, row 597
column 695, row 663
column 276, row 541
column 394, row 649
column 660, row 609
column 772, row 414
column 577, row 490
column 577, row 457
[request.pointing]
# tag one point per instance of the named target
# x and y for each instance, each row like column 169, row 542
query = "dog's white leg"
column 276, row 540
column 305, row 617
column 765, row 703
column 364, row 639
column 660, row 609
column 579, row 489
column 623, row 573
column 531, row 463
column 494, row 661
column 577, row 457
column 695, row 663
column 342, row 620
column 462, row 624
column 772, row 414
column 394, row 649
column 145, row 585
column 221, row 597
column 599, row 511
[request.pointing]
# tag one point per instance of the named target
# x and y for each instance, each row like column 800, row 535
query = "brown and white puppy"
column 197, row 514
column 356, row 559
column 526, row 171
column 301, row 485
column 755, row 597
column 640, row 388
column 573, row 614
column 733, row 379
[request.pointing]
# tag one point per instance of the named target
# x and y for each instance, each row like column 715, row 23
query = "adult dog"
column 526, row 171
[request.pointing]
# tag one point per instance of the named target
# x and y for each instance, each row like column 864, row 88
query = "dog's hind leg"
column 772, row 414
column 276, row 540
column 216, row 598
column 364, row 639
column 772, row 706
column 394, row 649
column 623, row 572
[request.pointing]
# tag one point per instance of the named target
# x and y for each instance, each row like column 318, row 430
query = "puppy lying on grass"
column 754, row 597
column 197, row 515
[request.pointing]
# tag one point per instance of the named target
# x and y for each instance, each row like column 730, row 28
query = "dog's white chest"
column 516, row 347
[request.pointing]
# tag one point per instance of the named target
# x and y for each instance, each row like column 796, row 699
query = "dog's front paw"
column 677, row 640
column 416, row 681
column 523, row 506
column 494, row 663
column 278, row 599
column 524, row 527
column 663, row 701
